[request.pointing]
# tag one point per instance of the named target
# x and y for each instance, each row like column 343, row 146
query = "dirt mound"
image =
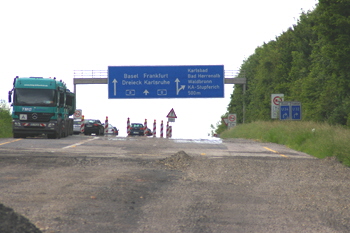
column 179, row 160
column 11, row 222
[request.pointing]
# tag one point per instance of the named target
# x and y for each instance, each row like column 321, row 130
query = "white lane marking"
column 79, row 143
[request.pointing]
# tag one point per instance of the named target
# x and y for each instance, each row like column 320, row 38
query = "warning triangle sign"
column 225, row 120
column 171, row 114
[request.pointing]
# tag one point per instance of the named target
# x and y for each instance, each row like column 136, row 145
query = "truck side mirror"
column 10, row 99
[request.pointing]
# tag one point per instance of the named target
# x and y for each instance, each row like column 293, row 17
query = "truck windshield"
column 35, row 97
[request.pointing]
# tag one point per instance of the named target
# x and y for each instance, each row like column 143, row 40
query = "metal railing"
column 90, row 74
column 104, row 74
column 234, row 74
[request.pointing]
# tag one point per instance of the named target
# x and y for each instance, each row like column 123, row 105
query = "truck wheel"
column 54, row 135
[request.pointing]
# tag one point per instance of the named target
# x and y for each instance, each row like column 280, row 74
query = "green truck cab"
column 41, row 106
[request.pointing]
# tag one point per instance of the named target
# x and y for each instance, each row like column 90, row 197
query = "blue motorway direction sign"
column 290, row 110
column 296, row 110
column 284, row 111
column 135, row 82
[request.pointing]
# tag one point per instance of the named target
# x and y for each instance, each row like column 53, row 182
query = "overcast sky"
column 54, row 38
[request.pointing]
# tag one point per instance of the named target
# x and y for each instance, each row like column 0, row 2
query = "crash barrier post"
column 154, row 128
column 82, row 124
column 128, row 127
column 145, row 128
column 161, row 129
column 106, row 125
column 167, row 129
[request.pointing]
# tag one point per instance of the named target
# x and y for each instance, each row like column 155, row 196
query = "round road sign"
column 232, row 117
column 277, row 100
column 77, row 113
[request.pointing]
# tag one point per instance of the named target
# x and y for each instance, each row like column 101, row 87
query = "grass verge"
column 5, row 124
column 317, row 139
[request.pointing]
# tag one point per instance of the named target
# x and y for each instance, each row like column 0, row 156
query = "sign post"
column 78, row 114
column 225, row 120
column 171, row 116
column 275, row 104
column 290, row 110
column 232, row 120
column 135, row 82
column 295, row 110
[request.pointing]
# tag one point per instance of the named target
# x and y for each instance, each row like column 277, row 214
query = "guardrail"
column 90, row 74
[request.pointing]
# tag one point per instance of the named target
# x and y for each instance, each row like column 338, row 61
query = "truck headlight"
column 16, row 123
column 51, row 125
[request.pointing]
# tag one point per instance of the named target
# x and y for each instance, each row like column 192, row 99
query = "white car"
column 76, row 126
column 111, row 130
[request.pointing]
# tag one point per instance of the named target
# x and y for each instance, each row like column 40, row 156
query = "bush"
column 5, row 123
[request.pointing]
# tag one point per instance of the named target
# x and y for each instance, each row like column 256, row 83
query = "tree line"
column 310, row 63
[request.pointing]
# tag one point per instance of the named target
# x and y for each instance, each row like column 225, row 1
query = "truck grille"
column 43, row 117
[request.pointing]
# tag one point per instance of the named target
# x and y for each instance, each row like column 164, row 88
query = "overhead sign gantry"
column 135, row 82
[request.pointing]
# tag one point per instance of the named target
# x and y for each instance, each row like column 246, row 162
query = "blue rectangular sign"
column 135, row 82
column 296, row 110
column 290, row 110
column 284, row 111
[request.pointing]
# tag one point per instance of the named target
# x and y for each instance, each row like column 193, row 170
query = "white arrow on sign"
column 177, row 86
column 115, row 86
column 146, row 92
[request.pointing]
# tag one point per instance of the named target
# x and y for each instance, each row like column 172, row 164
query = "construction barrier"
column 145, row 128
column 167, row 129
column 161, row 129
column 154, row 128
column 82, row 125
column 128, row 127
column 106, row 125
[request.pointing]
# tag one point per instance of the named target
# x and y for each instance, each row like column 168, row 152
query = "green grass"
column 5, row 124
column 317, row 139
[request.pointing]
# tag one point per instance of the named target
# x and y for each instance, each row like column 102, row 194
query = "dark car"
column 136, row 129
column 116, row 130
column 93, row 126
column 149, row 132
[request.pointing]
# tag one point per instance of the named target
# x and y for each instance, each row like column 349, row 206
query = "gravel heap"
column 180, row 160
column 11, row 222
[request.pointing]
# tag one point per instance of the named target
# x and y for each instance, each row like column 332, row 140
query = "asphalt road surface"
column 109, row 184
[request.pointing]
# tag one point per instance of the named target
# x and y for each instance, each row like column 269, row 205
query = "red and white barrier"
column 106, row 125
column 82, row 125
column 161, row 129
column 154, row 128
column 145, row 128
column 167, row 129
column 128, row 127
